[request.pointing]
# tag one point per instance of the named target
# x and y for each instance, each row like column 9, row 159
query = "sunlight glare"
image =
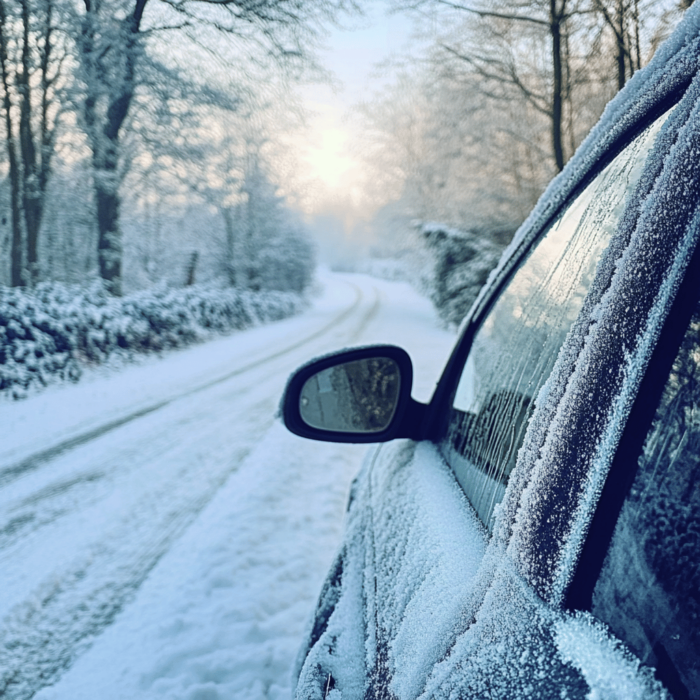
column 330, row 161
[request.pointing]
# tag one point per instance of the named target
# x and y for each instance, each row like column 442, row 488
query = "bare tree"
column 111, row 44
column 636, row 28
column 622, row 18
column 506, row 28
column 31, row 70
column 473, row 131
column 213, row 149
column 443, row 151
column 552, row 55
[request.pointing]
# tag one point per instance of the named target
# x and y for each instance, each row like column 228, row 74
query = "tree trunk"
column 556, row 21
column 16, row 254
column 29, row 167
column 107, row 202
column 191, row 269
column 567, row 96
column 227, row 214
column 621, row 48
column 637, row 48
column 31, row 197
column 104, row 137
column 36, row 162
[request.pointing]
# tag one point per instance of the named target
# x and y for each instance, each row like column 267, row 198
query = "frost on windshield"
column 515, row 349
column 569, row 449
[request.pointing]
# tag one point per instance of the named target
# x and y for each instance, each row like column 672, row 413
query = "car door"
column 535, row 330
column 590, row 390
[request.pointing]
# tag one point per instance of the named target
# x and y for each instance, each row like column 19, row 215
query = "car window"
column 516, row 346
column 648, row 591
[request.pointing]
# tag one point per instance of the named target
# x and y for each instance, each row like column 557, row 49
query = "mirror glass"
column 354, row 397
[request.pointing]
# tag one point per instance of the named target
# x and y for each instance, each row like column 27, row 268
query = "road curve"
column 85, row 518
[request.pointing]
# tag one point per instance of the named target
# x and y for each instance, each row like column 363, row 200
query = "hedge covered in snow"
column 52, row 332
column 462, row 262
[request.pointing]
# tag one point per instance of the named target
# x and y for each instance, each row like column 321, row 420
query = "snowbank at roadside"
column 51, row 332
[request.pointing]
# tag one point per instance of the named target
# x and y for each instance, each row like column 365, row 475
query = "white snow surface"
column 162, row 535
column 612, row 673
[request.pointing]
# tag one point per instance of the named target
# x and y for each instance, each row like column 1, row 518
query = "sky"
column 317, row 165
column 354, row 56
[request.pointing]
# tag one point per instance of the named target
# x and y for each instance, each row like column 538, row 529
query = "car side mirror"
column 361, row 395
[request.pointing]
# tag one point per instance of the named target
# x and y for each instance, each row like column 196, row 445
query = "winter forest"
column 147, row 172
column 468, row 134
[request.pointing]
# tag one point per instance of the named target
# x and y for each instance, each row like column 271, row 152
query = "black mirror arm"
column 413, row 421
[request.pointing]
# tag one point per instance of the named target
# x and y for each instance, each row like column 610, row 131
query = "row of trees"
column 148, row 100
column 505, row 91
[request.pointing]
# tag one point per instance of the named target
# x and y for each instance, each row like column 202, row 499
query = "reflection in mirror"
column 359, row 396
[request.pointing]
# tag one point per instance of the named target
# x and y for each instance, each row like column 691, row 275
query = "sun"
column 328, row 158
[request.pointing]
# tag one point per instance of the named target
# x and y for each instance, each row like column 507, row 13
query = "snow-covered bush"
column 391, row 269
column 462, row 262
column 51, row 332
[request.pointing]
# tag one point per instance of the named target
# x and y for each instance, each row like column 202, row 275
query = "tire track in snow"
column 47, row 504
column 44, row 634
column 36, row 460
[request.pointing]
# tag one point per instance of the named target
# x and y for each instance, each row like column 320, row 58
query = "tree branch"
column 495, row 15
column 537, row 101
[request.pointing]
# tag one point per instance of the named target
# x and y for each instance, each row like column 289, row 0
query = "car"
column 534, row 530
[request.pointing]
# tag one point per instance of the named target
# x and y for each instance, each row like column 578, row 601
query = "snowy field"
column 162, row 535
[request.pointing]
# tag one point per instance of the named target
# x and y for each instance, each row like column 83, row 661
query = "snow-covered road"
column 161, row 535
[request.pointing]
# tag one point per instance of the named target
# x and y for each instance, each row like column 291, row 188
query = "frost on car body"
column 496, row 571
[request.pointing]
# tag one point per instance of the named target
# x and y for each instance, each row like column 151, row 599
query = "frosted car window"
column 514, row 350
column 649, row 588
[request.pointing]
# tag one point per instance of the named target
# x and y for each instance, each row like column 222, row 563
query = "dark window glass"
column 649, row 589
column 515, row 349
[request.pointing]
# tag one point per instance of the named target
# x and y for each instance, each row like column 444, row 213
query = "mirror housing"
column 361, row 395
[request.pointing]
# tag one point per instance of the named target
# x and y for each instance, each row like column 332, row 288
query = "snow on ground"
column 232, row 521
column 222, row 614
column 64, row 411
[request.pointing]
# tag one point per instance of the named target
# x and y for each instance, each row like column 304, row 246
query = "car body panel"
column 421, row 603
